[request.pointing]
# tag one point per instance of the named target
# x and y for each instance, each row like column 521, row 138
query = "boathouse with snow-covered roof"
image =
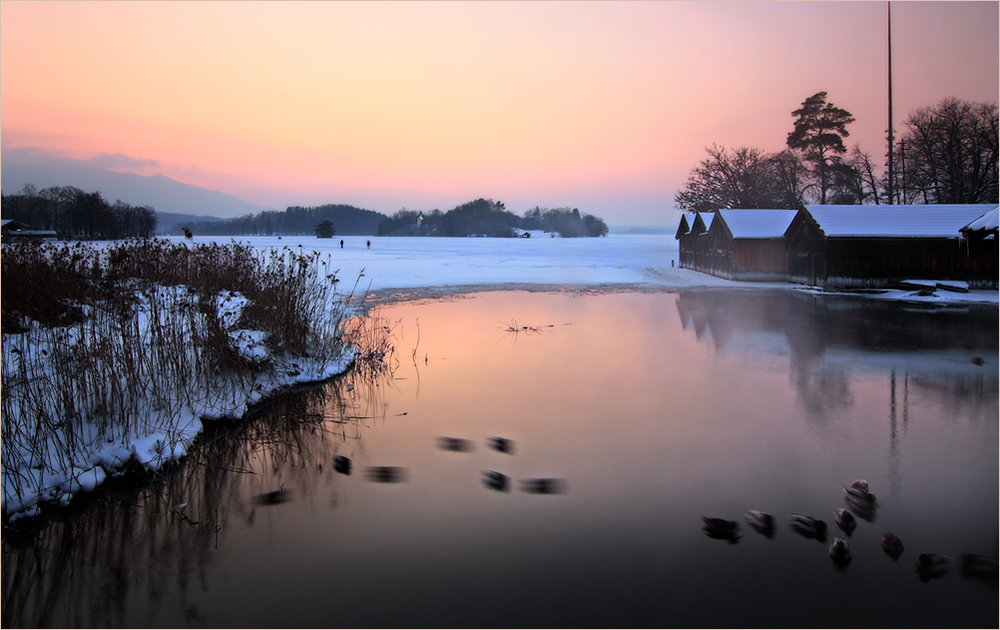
column 746, row 245
column 685, row 244
column 877, row 246
column 692, row 243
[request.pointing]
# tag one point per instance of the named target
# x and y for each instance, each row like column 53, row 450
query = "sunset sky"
column 601, row 106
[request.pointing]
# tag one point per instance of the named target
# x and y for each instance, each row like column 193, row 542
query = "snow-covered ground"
column 412, row 263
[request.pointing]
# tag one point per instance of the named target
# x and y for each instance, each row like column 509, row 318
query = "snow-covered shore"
column 51, row 466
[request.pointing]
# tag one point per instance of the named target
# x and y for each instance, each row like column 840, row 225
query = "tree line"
column 75, row 214
column 564, row 222
column 294, row 220
column 486, row 217
column 947, row 154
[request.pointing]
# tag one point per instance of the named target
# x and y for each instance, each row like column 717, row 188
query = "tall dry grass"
column 103, row 344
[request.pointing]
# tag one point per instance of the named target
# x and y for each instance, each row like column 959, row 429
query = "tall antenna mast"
column 891, row 175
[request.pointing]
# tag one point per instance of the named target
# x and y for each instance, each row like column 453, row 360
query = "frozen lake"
column 414, row 262
column 395, row 266
column 651, row 409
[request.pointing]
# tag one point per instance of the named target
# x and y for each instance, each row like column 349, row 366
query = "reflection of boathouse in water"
column 845, row 246
column 938, row 351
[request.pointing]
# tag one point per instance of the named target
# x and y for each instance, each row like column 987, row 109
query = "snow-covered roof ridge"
column 684, row 226
column 987, row 222
column 910, row 221
column 757, row 223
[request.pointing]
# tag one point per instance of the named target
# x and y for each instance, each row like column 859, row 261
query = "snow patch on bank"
column 81, row 455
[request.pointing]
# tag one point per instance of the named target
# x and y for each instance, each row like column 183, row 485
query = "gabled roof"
column 988, row 222
column 915, row 221
column 683, row 227
column 757, row 223
column 706, row 218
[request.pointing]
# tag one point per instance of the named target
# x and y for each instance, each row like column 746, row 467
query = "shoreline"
column 672, row 283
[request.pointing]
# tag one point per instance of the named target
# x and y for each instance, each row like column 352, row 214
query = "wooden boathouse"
column 691, row 241
column 685, row 241
column 745, row 245
column 837, row 247
column 980, row 239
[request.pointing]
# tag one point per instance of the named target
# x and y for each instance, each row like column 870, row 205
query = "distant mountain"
column 31, row 166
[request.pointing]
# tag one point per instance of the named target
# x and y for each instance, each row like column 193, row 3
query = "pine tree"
column 819, row 132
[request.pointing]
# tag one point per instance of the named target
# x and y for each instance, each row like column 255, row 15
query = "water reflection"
column 132, row 555
column 954, row 349
column 656, row 409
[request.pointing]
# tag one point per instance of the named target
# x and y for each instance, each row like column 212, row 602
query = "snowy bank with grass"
column 119, row 368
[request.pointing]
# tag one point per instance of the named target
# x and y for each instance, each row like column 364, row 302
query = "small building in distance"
column 11, row 229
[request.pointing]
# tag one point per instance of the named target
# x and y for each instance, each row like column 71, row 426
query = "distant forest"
column 346, row 220
column 75, row 214
column 482, row 217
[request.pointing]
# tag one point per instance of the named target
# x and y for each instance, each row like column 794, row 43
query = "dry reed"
column 105, row 344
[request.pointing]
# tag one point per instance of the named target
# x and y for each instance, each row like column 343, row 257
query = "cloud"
column 114, row 161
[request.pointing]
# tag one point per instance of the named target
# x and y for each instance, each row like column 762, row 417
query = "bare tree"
column 741, row 179
column 951, row 153
column 855, row 181
column 790, row 177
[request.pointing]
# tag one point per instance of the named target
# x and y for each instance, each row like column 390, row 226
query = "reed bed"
column 112, row 355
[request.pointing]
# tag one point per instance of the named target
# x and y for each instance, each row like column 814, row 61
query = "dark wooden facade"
column 685, row 242
column 692, row 240
column 733, row 255
column 844, row 262
column 909, row 245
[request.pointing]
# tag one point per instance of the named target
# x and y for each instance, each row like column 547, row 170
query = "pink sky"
column 601, row 106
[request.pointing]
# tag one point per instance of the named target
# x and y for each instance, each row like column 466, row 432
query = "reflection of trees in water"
column 974, row 394
column 894, row 482
column 111, row 563
column 821, row 390
column 800, row 319
column 812, row 325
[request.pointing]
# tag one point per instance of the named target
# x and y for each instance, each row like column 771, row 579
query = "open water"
column 628, row 416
